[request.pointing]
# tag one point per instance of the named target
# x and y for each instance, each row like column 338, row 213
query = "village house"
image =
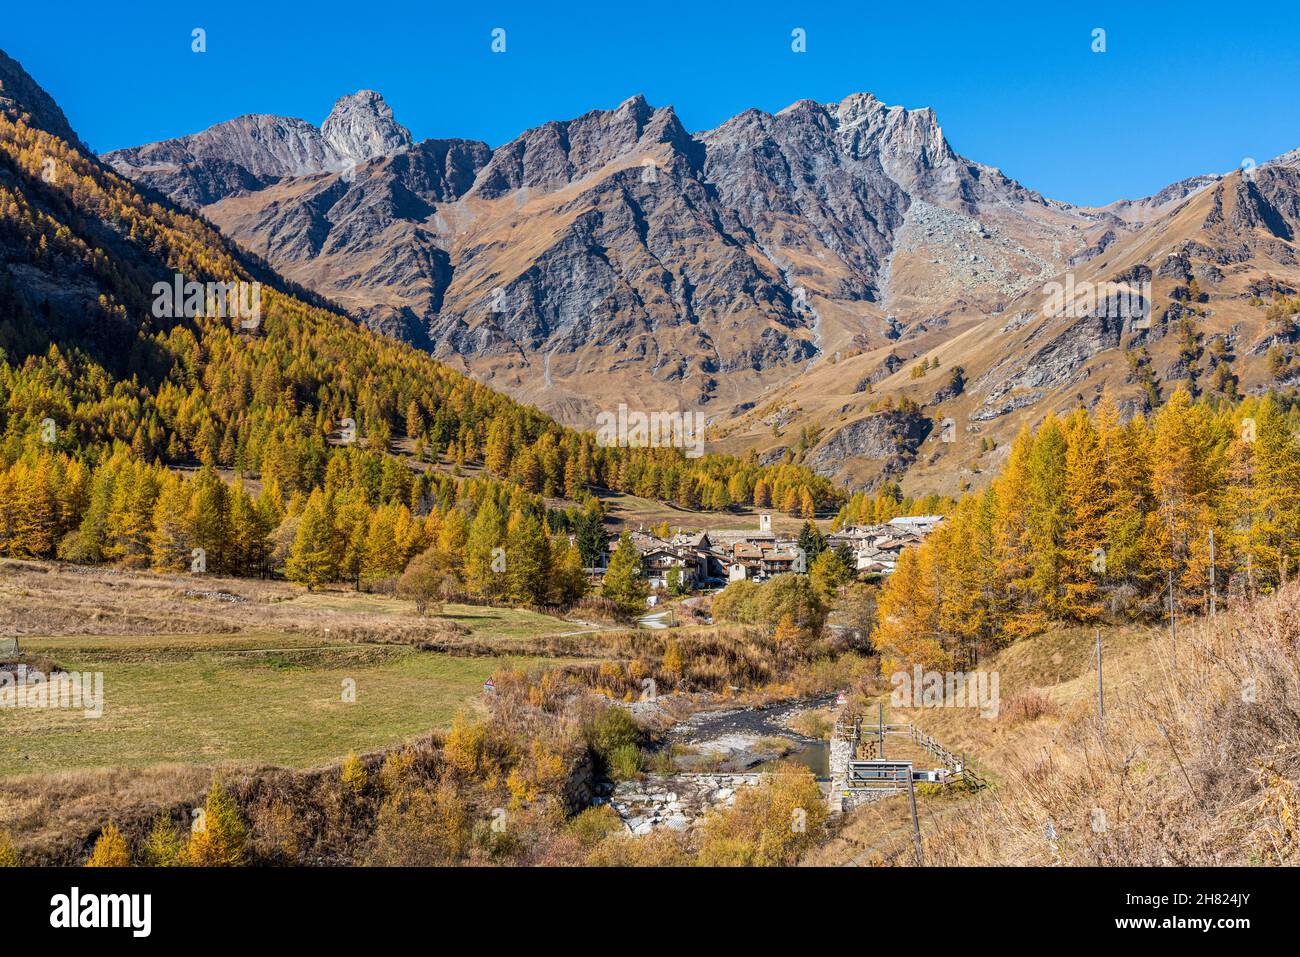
column 659, row 563
column 755, row 554
column 659, row 557
column 876, row 547
column 704, row 558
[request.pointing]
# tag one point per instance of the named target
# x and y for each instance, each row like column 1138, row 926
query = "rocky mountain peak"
column 896, row 132
column 1290, row 158
column 361, row 126
column 556, row 153
column 857, row 108
column 636, row 107
column 633, row 254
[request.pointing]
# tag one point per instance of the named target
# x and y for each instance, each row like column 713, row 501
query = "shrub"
column 737, row 603
column 165, row 845
column 110, row 849
column 672, row 662
column 8, row 855
column 396, row 771
column 661, row 848
column 220, row 839
column 792, row 597
column 596, row 608
column 475, row 751
column 542, row 771
column 624, row 762
column 770, row 825
column 354, row 774
column 420, row 826
column 428, row 582
column 812, row 724
column 594, row 825
column 612, row 728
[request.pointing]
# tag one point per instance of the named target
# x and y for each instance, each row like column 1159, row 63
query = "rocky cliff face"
column 1158, row 307
column 249, row 153
column 361, row 127
column 805, row 259
column 889, row 439
column 616, row 256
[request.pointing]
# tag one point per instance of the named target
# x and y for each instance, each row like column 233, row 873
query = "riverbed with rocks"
column 715, row 753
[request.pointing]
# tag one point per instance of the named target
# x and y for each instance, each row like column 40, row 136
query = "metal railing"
column 849, row 727
column 867, row 737
column 951, row 761
column 878, row 775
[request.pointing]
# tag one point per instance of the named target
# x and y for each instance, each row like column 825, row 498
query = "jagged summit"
column 361, row 127
column 819, row 249
column 253, row 151
column 694, row 267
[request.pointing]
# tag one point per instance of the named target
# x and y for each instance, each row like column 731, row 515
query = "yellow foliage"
column 165, row 845
column 8, row 855
column 354, row 774
column 220, row 835
column 110, row 849
column 395, row 773
column 770, row 825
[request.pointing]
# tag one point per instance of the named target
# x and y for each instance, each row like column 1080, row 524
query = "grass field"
column 42, row 599
column 632, row 511
column 258, row 677
column 253, row 697
column 483, row 621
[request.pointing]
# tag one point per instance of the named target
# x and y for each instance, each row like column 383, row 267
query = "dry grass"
column 54, row 817
column 205, row 670
column 1197, row 762
column 49, row 598
column 197, row 699
column 1027, row 706
column 630, row 512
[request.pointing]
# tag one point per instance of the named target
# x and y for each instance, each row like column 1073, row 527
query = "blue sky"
column 1182, row 88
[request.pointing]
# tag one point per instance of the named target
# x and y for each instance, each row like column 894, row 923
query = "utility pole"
column 880, row 726
column 916, row 822
column 1173, row 619
column 1101, row 708
column 1213, row 584
column 1173, row 558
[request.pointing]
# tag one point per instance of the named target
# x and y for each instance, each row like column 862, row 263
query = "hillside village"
column 349, row 580
column 693, row 560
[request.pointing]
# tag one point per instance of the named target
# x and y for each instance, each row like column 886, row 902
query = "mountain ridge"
column 617, row 256
column 617, row 248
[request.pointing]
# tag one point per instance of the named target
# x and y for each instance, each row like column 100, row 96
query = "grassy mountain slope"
column 1223, row 265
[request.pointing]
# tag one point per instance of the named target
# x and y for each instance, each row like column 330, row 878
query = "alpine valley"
column 829, row 283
